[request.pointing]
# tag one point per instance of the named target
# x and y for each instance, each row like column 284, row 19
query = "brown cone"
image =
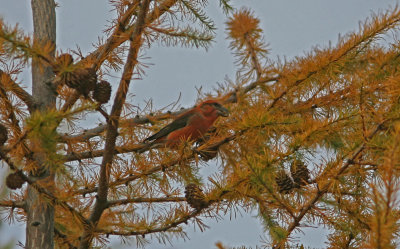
column 284, row 182
column 82, row 79
column 3, row 134
column 68, row 78
column 88, row 79
column 14, row 181
column 300, row 173
column 102, row 92
column 195, row 197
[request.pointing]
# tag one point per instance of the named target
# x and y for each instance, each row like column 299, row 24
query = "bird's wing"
column 178, row 123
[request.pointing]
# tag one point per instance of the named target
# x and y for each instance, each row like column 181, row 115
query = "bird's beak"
column 222, row 111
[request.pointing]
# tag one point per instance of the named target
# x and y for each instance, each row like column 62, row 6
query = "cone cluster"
column 3, row 134
column 195, row 196
column 102, row 92
column 14, row 181
column 84, row 80
column 300, row 177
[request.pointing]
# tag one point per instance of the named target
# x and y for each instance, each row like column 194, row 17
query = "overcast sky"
column 291, row 27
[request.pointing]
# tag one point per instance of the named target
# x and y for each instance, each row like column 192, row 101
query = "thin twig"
column 17, row 90
column 183, row 219
column 70, row 101
column 13, row 204
column 101, row 53
column 145, row 200
column 64, row 238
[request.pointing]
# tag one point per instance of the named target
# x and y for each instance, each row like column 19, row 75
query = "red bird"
column 190, row 125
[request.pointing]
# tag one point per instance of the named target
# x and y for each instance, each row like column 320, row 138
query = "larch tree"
column 313, row 141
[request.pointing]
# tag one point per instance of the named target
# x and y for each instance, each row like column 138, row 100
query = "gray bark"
column 40, row 213
column 44, row 30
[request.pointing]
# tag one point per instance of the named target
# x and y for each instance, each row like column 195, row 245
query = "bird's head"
column 211, row 107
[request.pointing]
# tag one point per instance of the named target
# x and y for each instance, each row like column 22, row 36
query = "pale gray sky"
column 291, row 27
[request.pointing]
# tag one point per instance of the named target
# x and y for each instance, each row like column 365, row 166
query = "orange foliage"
column 310, row 141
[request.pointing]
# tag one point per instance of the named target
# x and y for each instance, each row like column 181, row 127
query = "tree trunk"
column 40, row 213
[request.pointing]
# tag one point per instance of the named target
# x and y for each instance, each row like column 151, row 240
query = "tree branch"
column 70, row 101
column 113, row 123
column 116, row 40
column 253, row 56
column 43, row 191
column 183, row 219
column 341, row 51
column 112, row 42
column 145, row 200
column 17, row 90
column 324, row 189
column 10, row 109
column 98, row 56
column 165, row 166
column 64, row 238
column 12, row 204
